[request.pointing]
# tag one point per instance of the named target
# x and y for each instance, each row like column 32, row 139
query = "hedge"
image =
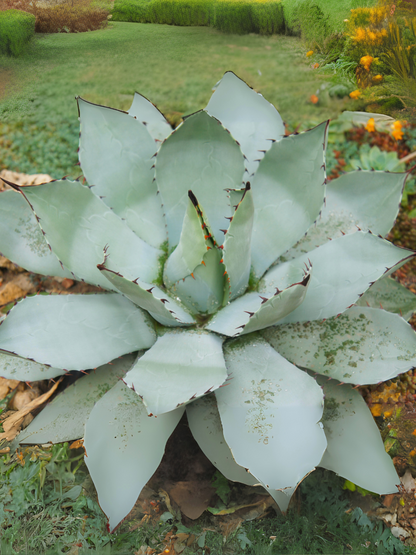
column 233, row 16
column 16, row 30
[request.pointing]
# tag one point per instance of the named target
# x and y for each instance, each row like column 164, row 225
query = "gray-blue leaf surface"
column 270, row 412
column 355, row 449
column 250, row 118
column 58, row 421
column 116, row 153
column 21, row 238
column 181, row 366
column 343, row 269
column 75, row 332
column 200, row 156
column 124, row 447
column 78, row 225
column 362, row 346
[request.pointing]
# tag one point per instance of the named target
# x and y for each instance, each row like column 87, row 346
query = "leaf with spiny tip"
column 116, row 155
column 122, row 441
column 237, row 248
column 78, row 225
column 203, row 290
column 182, row 365
column 75, row 332
column 199, row 155
column 343, row 269
column 361, row 346
column 149, row 297
column 253, row 312
column 288, row 193
column 365, row 199
column 58, row 422
column 355, row 449
column 21, row 238
column 194, row 241
column 267, row 404
column 146, row 112
column 252, row 121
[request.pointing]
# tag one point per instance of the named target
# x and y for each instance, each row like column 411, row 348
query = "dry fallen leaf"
column 12, row 424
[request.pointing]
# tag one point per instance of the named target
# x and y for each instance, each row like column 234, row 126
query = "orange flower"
column 309, row 53
column 315, row 66
column 377, row 79
column 355, row 94
column 366, row 62
column 314, row 99
column 370, row 125
column 397, row 130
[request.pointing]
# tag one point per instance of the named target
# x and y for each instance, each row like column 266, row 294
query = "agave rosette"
column 231, row 273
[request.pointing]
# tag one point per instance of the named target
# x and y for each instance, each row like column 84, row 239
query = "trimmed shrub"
column 232, row 16
column 131, row 10
column 71, row 16
column 16, row 30
column 180, row 12
column 268, row 17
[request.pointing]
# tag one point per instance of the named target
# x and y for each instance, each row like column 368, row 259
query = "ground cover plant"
column 220, row 321
column 48, row 505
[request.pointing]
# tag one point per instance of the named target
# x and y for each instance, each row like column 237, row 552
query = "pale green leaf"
column 362, row 199
column 75, row 332
column 343, row 269
column 201, row 156
column 182, row 365
column 254, row 311
column 13, row 367
column 21, row 238
column 192, row 245
column 147, row 113
column 116, row 153
column 237, row 248
column 124, row 447
column 270, row 413
column 355, row 449
column 203, row 291
column 78, row 225
column 387, row 293
column 361, row 346
column 251, row 120
column 149, row 297
column 205, row 424
column 63, row 419
column 288, row 192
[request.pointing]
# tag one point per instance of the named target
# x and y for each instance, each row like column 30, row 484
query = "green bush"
column 180, row 12
column 268, row 17
column 16, row 30
column 232, row 16
column 131, row 10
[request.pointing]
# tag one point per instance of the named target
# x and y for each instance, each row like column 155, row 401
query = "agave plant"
column 229, row 270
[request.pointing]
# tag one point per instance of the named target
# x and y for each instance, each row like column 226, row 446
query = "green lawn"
column 175, row 67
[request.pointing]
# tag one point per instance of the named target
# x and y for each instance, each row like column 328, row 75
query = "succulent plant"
column 232, row 276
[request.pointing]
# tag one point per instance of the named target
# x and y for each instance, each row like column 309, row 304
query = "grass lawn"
column 175, row 67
